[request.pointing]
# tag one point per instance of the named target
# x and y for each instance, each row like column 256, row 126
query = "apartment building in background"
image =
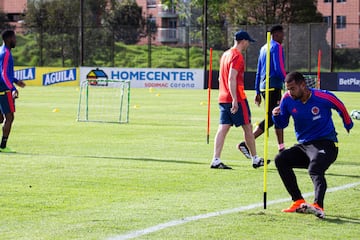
column 346, row 15
column 14, row 10
column 165, row 19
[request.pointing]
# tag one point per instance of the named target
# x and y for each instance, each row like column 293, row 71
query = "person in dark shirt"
column 277, row 75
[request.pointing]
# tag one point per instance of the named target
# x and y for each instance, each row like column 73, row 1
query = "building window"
column 327, row 20
column 327, row 1
column 172, row 23
column 340, row 21
column 341, row 45
column 14, row 17
column 151, row 3
column 340, row 1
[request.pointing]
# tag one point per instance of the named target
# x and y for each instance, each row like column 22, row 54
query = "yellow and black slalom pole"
column 266, row 130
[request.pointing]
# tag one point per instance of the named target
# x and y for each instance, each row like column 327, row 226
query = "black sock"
column 3, row 142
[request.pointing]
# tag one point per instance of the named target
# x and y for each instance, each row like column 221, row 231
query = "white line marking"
column 173, row 223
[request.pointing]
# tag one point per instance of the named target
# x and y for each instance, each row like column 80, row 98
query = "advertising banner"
column 48, row 76
column 349, row 81
column 147, row 77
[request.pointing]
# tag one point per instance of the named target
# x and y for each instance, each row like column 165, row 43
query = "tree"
column 127, row 22
column 98, row 39
column 222, row 15
column 300, row 11
column 244, row 12
column 217, row 20
column 57, row 30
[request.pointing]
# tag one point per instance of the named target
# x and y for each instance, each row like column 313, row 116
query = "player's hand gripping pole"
column 209, row 96
column 266, row 130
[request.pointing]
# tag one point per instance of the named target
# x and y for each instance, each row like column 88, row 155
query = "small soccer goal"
column 312, row 80
column 104, row 101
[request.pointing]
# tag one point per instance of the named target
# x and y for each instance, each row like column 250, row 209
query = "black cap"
column 242, row 35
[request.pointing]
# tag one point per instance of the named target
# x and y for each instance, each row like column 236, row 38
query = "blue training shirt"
column 312, row 120
column 277, row 67
column 7, row 78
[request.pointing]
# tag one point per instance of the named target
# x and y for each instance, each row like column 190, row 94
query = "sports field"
column 150, row 179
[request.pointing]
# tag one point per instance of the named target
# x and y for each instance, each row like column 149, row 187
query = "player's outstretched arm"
column 339, row 106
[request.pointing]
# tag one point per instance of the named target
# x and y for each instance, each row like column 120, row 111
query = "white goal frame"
column 104, row 100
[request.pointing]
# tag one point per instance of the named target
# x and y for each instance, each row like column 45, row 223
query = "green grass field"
column 82, row 180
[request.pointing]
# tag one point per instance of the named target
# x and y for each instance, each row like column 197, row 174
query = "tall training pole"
column 266, row 130
column 318, row 70
column 81, row 56
column 205, row 26
column 209, row 97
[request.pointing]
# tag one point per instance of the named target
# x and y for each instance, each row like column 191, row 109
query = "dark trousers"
column 274, row 101
column 316, row 156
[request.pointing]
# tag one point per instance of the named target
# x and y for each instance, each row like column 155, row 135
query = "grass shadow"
column 345, row 163
column 341, row 219
column 143, row 159
column 342, row 175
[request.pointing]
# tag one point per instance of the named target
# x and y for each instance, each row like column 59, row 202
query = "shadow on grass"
column 341, row 219
column 341, row 162
column 342, row 175
column 299, row 171
column 143, row 159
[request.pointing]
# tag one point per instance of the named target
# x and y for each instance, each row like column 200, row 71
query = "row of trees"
column 128, row 21
column 256, row 12
column 56, row 17
column 55, row 24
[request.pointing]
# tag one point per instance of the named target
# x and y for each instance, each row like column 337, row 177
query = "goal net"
column 312, row 80
column 104, row 101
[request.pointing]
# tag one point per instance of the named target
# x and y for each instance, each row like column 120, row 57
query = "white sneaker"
column 313, row 209
column 258, row 162
column 244, row 149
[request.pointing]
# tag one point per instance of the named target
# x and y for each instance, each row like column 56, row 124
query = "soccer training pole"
column 266, row 130
column 209, row 96
column 318, row 70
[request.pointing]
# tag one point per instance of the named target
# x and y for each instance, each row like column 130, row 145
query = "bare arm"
column 233, row 88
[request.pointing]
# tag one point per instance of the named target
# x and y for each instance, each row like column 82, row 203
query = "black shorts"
column 274, row 101
column 274, row 98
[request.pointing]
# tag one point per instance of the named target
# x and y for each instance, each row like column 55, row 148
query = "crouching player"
column 318, row 144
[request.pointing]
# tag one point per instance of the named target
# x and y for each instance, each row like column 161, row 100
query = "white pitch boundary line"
column 173, row 223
